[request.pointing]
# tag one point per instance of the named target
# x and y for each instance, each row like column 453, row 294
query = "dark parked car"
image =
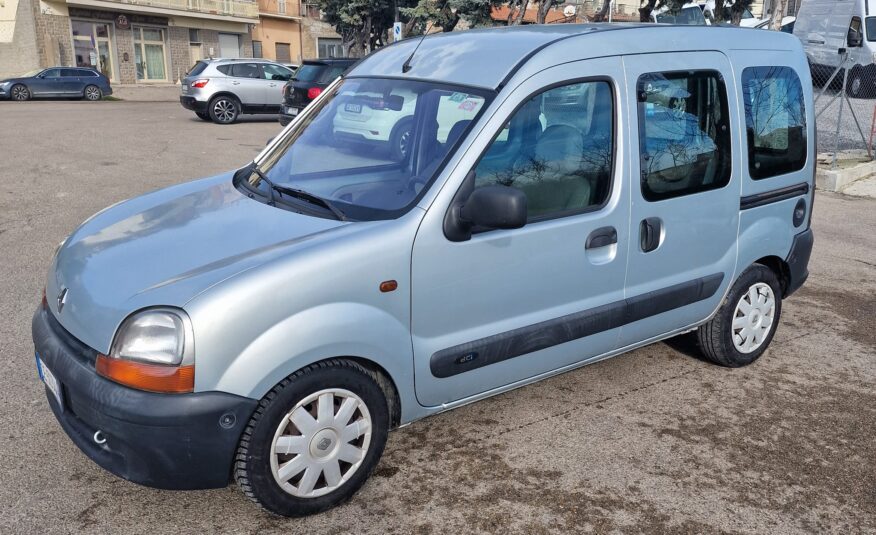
column 79, row 82
column 310, row 79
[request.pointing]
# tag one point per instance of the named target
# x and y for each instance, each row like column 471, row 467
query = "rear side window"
column 69, row 73
column 85, row 73
column 245, row 70
column 775, row 121
column 224, row 69
column 684, row 134
column 557, row 148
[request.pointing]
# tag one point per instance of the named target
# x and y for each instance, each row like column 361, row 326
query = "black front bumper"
column 168, row 441
column 190, row 103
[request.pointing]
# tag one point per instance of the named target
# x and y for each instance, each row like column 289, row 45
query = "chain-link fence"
column 844, row 105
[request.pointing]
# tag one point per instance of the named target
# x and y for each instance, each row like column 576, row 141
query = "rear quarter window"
column 224, row 69
column 775, row 121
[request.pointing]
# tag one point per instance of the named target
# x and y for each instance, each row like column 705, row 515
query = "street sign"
column 396, row 32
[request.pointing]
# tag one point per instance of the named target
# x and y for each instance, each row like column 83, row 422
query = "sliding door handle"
column 650, row 231
column 601, row 237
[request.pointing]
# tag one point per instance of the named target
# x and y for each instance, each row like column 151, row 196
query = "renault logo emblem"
column 62, row 299
column 324, row 443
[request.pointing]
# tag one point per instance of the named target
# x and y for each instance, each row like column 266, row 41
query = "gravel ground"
column 652, row 441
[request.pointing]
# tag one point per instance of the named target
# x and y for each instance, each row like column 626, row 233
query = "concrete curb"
column 838, row 179
column 147, row 93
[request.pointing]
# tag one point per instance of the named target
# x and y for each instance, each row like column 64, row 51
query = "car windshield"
column 372, row 146
column 308, row 72
column 689, row 15
column 31, row 74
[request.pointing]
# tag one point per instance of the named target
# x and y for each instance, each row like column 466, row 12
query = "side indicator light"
column 388, row 286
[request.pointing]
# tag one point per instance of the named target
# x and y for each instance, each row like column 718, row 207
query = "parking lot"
column 652, row 441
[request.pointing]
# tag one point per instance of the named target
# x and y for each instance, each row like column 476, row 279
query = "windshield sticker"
column 458, row 97
column 468, row 105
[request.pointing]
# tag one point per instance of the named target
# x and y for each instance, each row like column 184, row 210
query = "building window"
column 329, row 47
column 684, row 133
column 775, row 121
column 149, row 56
column 257, row 49
column 194, row 35
column 281, row 7
column 557, row 148
column 283, row 53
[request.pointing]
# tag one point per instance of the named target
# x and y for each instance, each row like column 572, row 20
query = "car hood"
column 9, row 80
column 164, row 248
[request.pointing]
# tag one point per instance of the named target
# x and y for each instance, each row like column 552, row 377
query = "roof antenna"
column 406, row 66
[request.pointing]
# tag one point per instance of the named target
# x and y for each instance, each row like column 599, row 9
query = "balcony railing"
column 231, row 8
column 287, row 8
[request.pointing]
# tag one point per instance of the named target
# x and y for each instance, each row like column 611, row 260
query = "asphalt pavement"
column 653, row 441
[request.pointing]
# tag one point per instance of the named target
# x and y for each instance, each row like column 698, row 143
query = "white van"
column 826, row 27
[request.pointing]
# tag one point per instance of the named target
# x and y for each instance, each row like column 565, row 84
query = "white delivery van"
column 827, row 28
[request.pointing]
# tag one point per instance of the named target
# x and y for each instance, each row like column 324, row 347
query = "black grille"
column 76, row 348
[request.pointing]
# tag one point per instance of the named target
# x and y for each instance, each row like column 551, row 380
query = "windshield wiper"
column 297, row 193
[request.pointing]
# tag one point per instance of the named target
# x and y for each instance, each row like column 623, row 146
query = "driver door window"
column 558, row 149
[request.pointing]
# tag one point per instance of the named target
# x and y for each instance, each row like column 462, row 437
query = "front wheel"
column 745, row 324
column 20, row 92
column 92, row 93
column 314, row 439
column 856, row 85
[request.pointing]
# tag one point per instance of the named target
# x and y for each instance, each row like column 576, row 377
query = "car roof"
column 329, row 61
column 239, row 60
column 490, row 57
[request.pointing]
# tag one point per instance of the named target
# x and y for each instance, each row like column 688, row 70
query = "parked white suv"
column 219, row 90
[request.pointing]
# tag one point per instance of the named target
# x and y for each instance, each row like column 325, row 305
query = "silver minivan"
column 589, row 190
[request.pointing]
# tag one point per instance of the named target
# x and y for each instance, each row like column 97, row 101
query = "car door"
column 247, row 84
column 72, row 84
column 684, row 215
column 47, row 84
column 509, row 305
column 274, row 79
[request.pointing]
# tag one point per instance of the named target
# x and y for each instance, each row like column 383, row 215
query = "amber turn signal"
column 149, row 377
column 388, row 286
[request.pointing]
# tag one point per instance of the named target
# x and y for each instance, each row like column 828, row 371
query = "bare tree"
column 780, row 7
column 646, row 9
column 719, row 12
column 602, row 14
column 544, row 6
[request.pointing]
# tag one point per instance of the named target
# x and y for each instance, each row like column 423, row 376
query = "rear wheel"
column 20, row 92
column 745, row 324
column 314, row 439
column 92, row 93
column 224, row 110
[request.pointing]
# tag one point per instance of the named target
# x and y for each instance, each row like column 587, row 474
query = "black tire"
column 856, row 85
column 399, row 140
column 716, row 337
column 92, row 93
column 224, row 109
column 20, row 92
column 204, row 116
column 253, row 471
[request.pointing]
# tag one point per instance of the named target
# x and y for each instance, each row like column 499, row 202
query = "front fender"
column 309, row 336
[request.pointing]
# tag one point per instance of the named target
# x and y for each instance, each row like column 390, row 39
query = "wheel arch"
column 780, row 268
column 218, row 94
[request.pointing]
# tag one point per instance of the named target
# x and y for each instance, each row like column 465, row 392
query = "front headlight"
column 153, row 350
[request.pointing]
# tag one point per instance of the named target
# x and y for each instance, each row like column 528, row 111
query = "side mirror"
column 854, row 39
column 489, row 207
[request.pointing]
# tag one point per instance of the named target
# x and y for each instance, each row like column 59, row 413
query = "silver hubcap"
column 754, row 318
column 403, row 142
column 321, row 443
column 224, row 110
column 19, row 93
column 92, row 93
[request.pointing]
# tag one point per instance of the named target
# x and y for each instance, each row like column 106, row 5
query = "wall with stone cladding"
column 180, row 58
column 20, row 55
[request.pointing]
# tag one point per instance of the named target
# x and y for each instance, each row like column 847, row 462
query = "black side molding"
column 776, row 195
column 503, row 346
column 798, row 261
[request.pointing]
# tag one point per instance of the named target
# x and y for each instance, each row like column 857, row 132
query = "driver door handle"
column 601, row 237
column 650, row 231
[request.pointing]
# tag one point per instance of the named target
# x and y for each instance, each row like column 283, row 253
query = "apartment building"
column 130, row 41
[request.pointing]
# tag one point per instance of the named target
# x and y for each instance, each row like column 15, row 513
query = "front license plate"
column 50, row 380
column 353, row 108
